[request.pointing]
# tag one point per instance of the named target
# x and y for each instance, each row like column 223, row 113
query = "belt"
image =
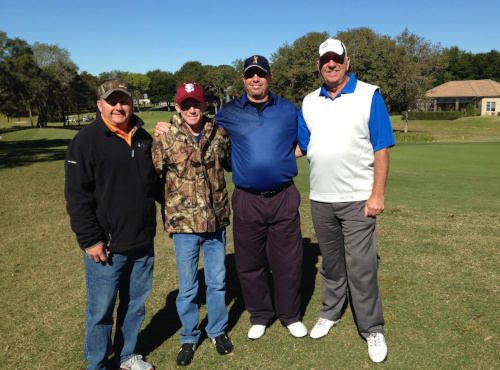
column 267, row 193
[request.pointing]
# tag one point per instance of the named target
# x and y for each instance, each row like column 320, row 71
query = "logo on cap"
column 190, row 90
column 257, row 61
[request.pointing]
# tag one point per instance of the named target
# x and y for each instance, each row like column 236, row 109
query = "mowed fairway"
column 438, row 243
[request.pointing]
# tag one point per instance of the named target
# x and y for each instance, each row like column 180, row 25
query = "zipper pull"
column 133, row 153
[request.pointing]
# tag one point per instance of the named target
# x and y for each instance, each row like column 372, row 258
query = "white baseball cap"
column 332, row 45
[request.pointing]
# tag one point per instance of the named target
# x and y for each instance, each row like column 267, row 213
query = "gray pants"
column 348, row 246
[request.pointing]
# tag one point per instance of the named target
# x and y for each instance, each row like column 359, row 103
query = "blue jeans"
column 187, row 253
column 130, row 274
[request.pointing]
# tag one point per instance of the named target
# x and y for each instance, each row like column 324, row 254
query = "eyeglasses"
column 255, row 71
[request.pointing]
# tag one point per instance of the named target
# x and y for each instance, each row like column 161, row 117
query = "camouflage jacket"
column 196, row 198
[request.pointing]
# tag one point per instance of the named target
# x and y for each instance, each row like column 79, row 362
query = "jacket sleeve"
column 226, row 161
column 79, row 192
column 157, row 154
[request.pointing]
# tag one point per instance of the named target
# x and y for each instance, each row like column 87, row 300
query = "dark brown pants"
column 267, row 233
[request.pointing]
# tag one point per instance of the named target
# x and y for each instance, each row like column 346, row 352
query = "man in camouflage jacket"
column 191, row 158
column 196, row 198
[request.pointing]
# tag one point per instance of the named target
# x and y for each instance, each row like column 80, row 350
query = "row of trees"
column 404, row 67
column 41, row 79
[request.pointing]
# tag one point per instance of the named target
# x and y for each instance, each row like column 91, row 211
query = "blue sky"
column 139, row 36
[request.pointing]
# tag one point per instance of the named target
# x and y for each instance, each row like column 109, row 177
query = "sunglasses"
column 255, row 71
column 187, row 106
column 338, row 59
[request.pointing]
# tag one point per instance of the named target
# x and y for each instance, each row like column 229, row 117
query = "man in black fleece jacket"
column 110, row 195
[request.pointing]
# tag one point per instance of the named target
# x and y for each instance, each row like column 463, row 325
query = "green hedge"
column 417, row 115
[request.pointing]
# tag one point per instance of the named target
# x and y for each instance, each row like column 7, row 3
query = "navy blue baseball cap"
column 257, row 61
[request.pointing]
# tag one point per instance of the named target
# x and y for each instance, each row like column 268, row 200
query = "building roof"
column 478, row 88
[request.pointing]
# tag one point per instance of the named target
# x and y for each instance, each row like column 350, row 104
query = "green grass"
column 438, row 242
column 470, row 129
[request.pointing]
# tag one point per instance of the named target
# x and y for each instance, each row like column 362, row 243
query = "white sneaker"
column 136, row 363
column 256, row 331
column 322, row 327
column 297, row 329
column 377, row 349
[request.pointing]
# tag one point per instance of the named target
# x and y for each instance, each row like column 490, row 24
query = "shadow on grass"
column 22, row 153
column 165, row 323
column 309, row 273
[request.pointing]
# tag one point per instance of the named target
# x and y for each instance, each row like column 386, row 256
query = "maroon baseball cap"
column 190, row 90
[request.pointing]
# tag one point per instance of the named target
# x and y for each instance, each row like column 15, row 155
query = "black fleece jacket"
column 110, row 187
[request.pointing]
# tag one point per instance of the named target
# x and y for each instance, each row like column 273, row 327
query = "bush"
column 418, row 115
column 471, row 110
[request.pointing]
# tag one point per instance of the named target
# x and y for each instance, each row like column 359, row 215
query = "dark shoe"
column 186, row 354
column 223, row 344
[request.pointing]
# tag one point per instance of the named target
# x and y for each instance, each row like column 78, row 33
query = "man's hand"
column 162, row 128
column 298, row 152
column 374, row 205
column 99, row 253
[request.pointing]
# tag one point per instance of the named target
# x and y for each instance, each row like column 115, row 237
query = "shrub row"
column 470, row 111
column 418, row 115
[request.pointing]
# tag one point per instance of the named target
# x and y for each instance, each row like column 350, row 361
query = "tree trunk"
column 31, row 116
column 406, row 122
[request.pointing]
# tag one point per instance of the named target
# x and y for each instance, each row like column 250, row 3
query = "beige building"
column 456, row 95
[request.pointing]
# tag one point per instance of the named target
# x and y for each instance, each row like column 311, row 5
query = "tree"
column 463, row 65
column 294, row 67
column 162, row 87
column 140, row 84
column 113, row 74
column 416, row 65
column 217, row 83
column 90, row 83
column 55, row 95
column 238, row 86
column 487, row 65
column 18, row 72
column 189, row 72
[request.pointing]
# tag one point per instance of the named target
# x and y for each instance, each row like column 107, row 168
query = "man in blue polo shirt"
column 266, row 226
column 345, row 129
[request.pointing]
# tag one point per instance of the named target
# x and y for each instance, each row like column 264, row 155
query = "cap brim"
column 188, row 97
column 109, row 92
column 255, row 66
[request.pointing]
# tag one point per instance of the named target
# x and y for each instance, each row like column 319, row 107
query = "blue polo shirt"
column 381, row 135
column 262, row 145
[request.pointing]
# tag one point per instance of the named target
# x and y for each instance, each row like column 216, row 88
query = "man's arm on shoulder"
column 158, row 153
column 162, row 128
column 376, row 203
column 226, row 162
